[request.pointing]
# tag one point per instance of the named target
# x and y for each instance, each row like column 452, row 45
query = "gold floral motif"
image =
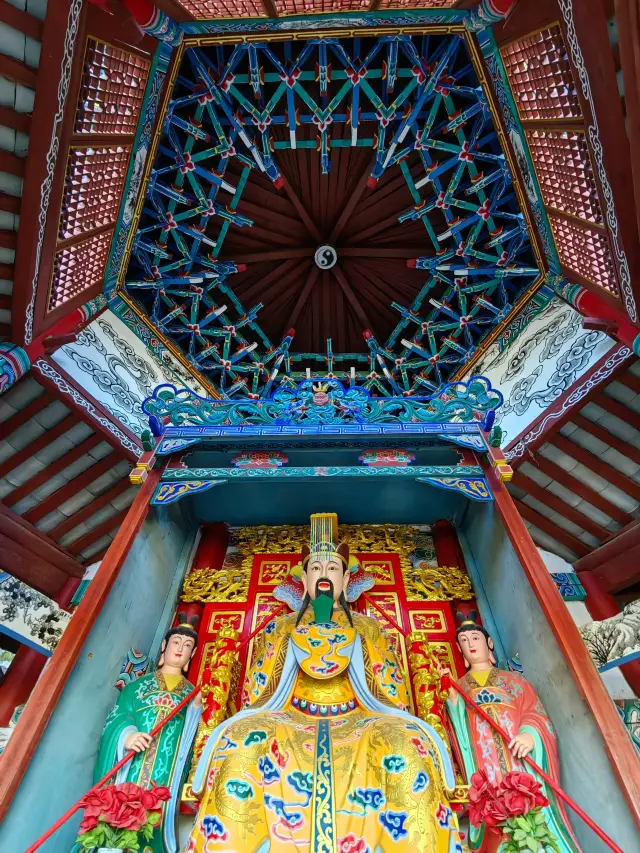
column 216, row 585
column 221, row 660
column 437, row 583
column 426, row 681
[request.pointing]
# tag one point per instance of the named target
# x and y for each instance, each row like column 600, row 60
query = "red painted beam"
column 81, row 544
column 620, row 572
column 8, row 239
column 16, row 421
column 38, row 544
column 301, row 301
column 579, row 488
column 29, row 568
column 350, row 206
column 21, row 21
column 90, row 509
column 38, row 444
column 18, row 71
column 617, row 743
column 542, row 523
column 353, row 300
column 6, row 272
column 310, row 225
column 71, row 488
column 51, row 470
column 631, row 381
column 15, row 120
column 42, row 702
column 599, row 432
column 603, row 469
column 10, row 203
column 626, row 415
column 5, row 302
column 277, row 255
column 553, row 502
column 621, row 543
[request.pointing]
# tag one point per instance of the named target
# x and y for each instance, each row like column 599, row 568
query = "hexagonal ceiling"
column 383, row 151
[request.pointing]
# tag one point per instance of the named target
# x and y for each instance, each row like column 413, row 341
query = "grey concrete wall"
column 61, row 770
column 587, row 775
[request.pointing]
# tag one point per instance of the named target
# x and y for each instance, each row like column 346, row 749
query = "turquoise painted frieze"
column 312, row 403
column 177, row 475
column 569, row 586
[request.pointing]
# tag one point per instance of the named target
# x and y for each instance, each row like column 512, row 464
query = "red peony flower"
column 95, row 805
column 520, row 793
column 494, row 813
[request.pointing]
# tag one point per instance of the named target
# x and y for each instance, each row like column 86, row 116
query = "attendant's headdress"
column 186, row 627
column 467, row 622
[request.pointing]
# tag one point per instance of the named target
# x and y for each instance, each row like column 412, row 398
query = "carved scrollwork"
column 437, row 583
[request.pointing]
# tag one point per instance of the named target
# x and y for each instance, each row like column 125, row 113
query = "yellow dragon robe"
column 324, row 757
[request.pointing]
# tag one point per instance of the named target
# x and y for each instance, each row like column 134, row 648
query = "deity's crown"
column 324, row 534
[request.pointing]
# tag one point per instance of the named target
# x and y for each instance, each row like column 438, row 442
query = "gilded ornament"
column 216, row 585
column 437, row 583
column 426, row 681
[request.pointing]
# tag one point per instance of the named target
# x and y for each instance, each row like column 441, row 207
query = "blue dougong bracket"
column 474, row 488
column 169, row 493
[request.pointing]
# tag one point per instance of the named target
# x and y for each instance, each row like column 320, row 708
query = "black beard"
column 328, row 592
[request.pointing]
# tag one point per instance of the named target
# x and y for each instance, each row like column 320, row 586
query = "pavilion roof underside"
column 383, row 148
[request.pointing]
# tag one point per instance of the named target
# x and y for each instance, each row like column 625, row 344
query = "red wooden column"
column 618, row 746
column 43, row 700
column 446, row 543
column 211, row 552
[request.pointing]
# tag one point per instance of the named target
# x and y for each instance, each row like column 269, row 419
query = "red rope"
column 65, row 817
column 447, row 681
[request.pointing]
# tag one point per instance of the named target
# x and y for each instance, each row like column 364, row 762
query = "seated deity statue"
column 514, row 704
column 324, row 755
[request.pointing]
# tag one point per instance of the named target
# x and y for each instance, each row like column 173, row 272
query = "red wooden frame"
column 547, row 526
column 42, row 701
column 616, row 740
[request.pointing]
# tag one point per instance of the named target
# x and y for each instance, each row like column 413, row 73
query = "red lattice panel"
column 417, row 4
column 78, row 268
column 93, row 187
column 113, row 83
column 311, row 7
column 540, row 76
column 586, row 251
column 206, row 9
column 564, row 170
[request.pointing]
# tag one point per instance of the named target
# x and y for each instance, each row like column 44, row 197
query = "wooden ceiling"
column 361, row 223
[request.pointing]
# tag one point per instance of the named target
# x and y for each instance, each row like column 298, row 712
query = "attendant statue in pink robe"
column 513, row 703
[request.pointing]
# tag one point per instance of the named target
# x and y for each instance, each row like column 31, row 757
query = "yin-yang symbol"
column 326, row 257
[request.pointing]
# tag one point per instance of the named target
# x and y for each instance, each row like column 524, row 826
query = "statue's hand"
column 138, row 741
column 442, row 671
column 521, row 745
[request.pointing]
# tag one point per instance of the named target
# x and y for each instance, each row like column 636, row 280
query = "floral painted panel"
column 30, row 617
column 116, row 368
column 552, row 353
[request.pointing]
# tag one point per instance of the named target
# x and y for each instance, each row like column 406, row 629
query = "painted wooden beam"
column 38, row 444
column 277, row 255
column 51, row 470
column 90, row 509
column 625, row 449
column 42, row 701
column 603, row 469
column 15, row 120
column 564, row 478
column 544, row 496
column 627, row 13
column 547, row 526
column 617, row 743
column 620, row 572
column 38, row 544
column 81, row 544
column 71, row 488
column 349, row 207
column 20, row 418
column 21, row 21
column 18, row 71
column 622, row 542
column 358, row 310
column 10, row 203
column 619, row 410
column 8, row 239
column 630, row 380
column 302, row 212
column 302, row 298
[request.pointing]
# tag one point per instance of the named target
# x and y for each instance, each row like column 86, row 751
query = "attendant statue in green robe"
column 143, row 704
